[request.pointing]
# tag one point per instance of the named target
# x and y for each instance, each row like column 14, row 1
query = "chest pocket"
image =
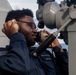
column 47, row 63
column 46, row 59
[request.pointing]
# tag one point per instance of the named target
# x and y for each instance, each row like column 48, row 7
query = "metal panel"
column 4, row 8
column 4, row 41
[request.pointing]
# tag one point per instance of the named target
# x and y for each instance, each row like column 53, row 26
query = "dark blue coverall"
column 17, row 61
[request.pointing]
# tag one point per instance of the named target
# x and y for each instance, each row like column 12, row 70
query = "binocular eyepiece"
column 38, row 35
column 41, row 36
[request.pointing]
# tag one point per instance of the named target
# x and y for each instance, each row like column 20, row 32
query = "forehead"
column 27, row 19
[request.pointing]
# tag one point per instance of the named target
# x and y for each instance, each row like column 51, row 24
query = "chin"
column 33, row 43
column 29, row 42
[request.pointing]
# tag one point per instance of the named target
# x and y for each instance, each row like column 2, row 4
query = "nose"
column 34, row 30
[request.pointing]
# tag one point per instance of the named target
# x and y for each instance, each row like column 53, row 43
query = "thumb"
column 3, row 30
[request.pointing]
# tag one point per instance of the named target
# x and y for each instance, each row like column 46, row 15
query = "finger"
column 41, row 30
column 47, row 32
column 15, row 25
column 9, row 23
column 5, row 26
column 3, row 30
column 14, row 21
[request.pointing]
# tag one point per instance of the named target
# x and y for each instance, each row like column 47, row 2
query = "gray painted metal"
column 4, row 8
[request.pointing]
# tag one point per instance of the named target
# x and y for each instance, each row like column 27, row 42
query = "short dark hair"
column 17, row 14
